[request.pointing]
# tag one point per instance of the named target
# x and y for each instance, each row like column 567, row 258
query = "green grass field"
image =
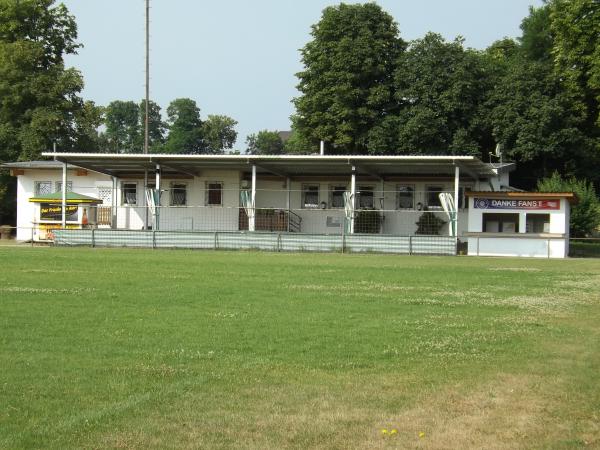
column 104, row 348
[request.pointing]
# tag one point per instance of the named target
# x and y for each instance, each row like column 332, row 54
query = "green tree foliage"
column 39, row 97
column 219, row 133
column 535, row 120
column 429, row 224
column 89, row 118
column 185, row 128
column 297, row 143
column 264, row 143
column 125, row 125
column 585, row 214
column 536, row 41
column 439, row 86
column 156, row 127
column 346, row 84
column 575, row 25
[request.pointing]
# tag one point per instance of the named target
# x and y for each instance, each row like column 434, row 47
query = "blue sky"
column 239, row 58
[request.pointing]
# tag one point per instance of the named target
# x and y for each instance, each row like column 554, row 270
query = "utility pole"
column 146, row 119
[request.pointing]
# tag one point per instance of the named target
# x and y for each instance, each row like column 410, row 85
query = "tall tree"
column 585, row 214
column 156, row 127
column 87, row 122
column 439, row 86
column 219, row 133
column 576, row 29
column 346, row 84
column 264, row 143
column 39, row 97
column 185, row 128
column 122, row 119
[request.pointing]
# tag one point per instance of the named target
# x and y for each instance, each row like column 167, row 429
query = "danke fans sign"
column 492, row 203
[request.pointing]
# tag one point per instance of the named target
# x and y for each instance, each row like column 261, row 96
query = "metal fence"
column 584, row 247
column 277, row 241
column 269, row 241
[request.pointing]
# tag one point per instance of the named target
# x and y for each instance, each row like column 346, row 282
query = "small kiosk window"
column 537, row 223
column 59, row 186
column 43, row 187
column 500, row 223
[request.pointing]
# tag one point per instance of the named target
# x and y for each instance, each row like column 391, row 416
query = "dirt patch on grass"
column 513, row 411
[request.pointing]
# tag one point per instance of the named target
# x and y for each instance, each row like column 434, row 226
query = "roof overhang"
column 120, row 165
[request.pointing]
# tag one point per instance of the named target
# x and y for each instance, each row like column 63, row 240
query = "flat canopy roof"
column 120, row 165
column 71, row 197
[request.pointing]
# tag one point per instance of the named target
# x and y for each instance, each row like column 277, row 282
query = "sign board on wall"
column 494, row 203
column 51, row 211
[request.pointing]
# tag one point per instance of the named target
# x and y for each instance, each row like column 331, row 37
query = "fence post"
column 278, row 242
column 153, row 238
column 216, row 247
column 32, row 229
column 410, row 244
column 343, row 234
column 93, row 238
column 548, row 246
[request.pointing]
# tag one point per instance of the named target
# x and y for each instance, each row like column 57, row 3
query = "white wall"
column 198, row 216
column 521, row 243
column 27, row 213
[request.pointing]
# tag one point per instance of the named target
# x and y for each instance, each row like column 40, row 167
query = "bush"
column 368, row 221
column 429, row 224
column 585, row 215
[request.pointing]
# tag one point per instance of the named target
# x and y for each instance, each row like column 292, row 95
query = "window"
column 365, row 197
column 433, row 197
column 310, row 196
column 129, row 194
column 43, row 187
column 500, row 223
column 405, row 197
column 59, row 186
column 178, row 194
column 336, row 196
column 214, row 193
column 105, row 194
column 537, row 223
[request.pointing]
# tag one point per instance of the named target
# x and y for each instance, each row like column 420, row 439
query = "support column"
column 353, row 198
column 456, row 182
column 64, row 195
column 145, row 199
column 288, row 185
column 114, row 203
column 157, row 199
column 252, row 219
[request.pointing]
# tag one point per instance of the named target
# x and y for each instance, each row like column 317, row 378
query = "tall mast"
column 146, row 120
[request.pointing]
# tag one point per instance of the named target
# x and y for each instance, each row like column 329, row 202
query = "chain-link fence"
column 312, row 216
column 584, row 247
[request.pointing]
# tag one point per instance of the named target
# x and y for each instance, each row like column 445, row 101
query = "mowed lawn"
column 115, row 348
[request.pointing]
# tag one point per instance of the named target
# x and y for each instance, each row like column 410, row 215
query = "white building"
column 289, row 202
